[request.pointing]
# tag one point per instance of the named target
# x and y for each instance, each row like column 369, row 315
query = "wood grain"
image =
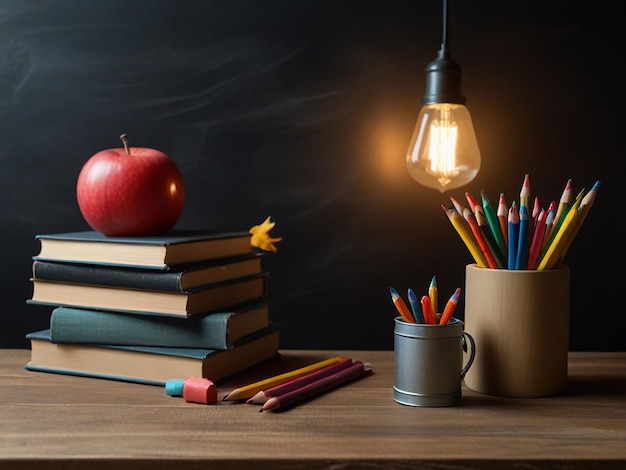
column 55, row 421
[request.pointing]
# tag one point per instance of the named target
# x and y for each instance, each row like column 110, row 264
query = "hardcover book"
column 219, row 330
column 149, row 365
column 158, row 252
column 175, row 279
column 200, row 300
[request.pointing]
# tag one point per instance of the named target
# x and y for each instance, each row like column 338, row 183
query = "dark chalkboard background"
column 303, row 110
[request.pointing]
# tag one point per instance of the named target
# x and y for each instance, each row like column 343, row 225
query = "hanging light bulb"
column 443, row 153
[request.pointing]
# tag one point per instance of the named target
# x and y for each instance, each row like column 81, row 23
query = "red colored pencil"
column 535, row 246
column 473, row 203
column 503, row 213
column 355, row 371
column 427, row 310
column 478, row 234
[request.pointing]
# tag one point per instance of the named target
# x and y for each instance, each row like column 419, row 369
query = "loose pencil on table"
column 357, row 370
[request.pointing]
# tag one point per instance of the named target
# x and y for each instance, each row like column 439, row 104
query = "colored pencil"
column 552, row 254
column 494, row 224
column 325, row 384
column 450, row 306
column 478, row 235
column 462, row 229
column 521, row 257
column 535, row 245
column 549, row 223
column 513, row 225
column 415, row 306
column 473, row 203
column 401, row 306
column 524, row 194
column 583, row 210
column 457, row 205
column 533, row 218
column 503, row 213
column 561, row 211
column 262, row 396
column 250, row 390
column 565, row 201
column 481, row 220
column 427, row 311
column 433, row 294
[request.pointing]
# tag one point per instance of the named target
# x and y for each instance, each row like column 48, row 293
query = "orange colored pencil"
column 450, row 306
column 401, row 306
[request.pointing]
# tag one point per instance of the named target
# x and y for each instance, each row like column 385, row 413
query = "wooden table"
column 56, row 421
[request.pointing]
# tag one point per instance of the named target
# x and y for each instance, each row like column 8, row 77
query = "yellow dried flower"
column 261, row 236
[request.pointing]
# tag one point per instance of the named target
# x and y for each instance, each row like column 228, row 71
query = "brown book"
column 150, row 365
column 202, row 300
column 174, row 248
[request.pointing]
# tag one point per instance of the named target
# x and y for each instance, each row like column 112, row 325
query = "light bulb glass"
column 443, row 153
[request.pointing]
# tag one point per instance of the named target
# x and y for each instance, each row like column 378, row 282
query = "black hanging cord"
column 444, row 40
column 443, row 75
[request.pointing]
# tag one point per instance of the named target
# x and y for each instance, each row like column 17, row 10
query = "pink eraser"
column 199, row 390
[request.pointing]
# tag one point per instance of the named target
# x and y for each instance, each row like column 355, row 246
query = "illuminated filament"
column 442, row 149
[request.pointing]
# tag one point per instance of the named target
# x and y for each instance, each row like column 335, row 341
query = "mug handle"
column 467, row 338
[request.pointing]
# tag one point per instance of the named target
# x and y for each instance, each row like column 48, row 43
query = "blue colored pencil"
column 521, row 259
column 416, row 307
column 513, row 221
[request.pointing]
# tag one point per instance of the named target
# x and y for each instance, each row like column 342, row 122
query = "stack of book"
column 151, row 309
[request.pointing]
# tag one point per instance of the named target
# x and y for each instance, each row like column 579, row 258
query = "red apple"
column 130, row 191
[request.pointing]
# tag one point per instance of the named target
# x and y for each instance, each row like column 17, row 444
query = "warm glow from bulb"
column 443, row 153
column 442, row 149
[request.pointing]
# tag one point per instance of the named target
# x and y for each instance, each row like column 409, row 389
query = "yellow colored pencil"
column 250, row 390
column 583, row 210
column 433, row 293
column 552, row 254
column 564, row 203
column 463, row 230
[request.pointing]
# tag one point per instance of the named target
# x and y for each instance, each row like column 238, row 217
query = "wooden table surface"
column 57, row 421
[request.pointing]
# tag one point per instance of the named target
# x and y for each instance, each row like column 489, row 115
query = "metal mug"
column 428, row 362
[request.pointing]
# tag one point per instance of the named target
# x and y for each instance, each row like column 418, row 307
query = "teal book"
column 199, row 300
column 157, row 252
column 150, row 365
column 218, row 330
column 175, row 279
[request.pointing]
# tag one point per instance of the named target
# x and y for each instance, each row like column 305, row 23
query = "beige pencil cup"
column 520, row 322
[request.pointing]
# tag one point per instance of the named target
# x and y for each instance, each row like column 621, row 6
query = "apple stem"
column 124, row 138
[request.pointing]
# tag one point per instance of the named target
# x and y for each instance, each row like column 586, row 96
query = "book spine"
column 70, row 325
column 108, row 276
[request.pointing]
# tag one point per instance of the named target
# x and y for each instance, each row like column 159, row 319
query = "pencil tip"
column 225, row 397
column 261, row 410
